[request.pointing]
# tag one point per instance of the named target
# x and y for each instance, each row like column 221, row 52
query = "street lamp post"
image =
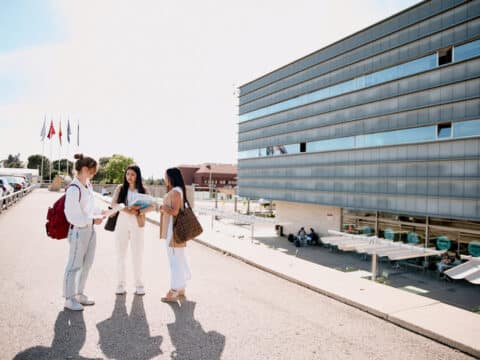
column 209, row 167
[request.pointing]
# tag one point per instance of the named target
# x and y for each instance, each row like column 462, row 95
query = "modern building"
column 378, row 131
column 218, row 175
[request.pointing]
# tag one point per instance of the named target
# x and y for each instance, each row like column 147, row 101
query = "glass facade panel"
column 396, row 137
column 331, row 144
column 395, row 72
column 467, row 51
column 466, row 128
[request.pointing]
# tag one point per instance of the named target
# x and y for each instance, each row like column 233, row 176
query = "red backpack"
column 57, row 225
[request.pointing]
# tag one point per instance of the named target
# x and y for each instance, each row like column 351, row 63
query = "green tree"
column 115, row 168
column 101, row 175
column 63, row 166
column 13, row 161
column 35, row 162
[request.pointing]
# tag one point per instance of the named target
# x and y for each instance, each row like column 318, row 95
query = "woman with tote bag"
column 173, row 202
column 129, row 228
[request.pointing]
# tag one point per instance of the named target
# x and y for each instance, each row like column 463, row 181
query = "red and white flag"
column 60, row 132
column 51, row 132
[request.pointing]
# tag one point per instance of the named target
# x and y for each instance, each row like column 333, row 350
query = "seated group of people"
column 448, row 262
column 303, row 239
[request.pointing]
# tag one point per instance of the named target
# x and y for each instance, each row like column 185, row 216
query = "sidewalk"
column 441, row 322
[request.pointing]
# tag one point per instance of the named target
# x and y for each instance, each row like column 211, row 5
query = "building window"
column 467, row 128
column 467, row 51
column 444, row 130
column 445, row 56
column 303, row 147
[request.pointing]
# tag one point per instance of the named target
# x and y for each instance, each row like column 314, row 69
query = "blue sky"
column 27, row 23
column 130, row 70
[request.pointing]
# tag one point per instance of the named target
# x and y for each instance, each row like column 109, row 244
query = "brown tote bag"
column 186, row 226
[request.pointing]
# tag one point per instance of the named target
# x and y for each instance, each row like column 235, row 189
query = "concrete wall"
column 293, row 215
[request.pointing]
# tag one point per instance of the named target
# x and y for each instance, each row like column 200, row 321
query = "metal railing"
column 13, row 198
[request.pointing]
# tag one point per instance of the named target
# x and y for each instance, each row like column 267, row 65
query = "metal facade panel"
column 313, row 79
column 388, row 26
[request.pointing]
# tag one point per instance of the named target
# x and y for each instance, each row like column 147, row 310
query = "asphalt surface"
column 233, row 311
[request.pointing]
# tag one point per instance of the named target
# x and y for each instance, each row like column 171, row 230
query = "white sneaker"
column 140, row 290
column 85, row 300
column 120, row 290
column 73, row 304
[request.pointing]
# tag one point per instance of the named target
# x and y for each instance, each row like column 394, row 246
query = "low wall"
column 292, row 216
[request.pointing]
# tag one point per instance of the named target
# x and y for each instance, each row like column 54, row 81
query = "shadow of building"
column 189, row 338
column 69, row 338
column 124, row 336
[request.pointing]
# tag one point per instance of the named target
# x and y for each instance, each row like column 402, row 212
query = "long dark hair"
column 176, row 179
column 122, row 196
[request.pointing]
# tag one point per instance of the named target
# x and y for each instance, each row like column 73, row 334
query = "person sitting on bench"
column 315, row 239
column 302, row 238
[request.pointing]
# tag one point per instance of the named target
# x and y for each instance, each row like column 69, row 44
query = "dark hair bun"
column 78, row 156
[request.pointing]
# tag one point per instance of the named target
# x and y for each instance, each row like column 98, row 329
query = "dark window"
column 303, row 147
column 445, row 56
column 444, row 130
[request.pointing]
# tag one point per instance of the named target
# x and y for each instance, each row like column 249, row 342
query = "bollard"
column 374, row 266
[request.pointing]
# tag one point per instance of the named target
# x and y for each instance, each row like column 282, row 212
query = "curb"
column 390, row 318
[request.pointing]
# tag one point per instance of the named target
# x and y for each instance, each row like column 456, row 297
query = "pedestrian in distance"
column 81, row 213
column 173, row 201
column 130, row 228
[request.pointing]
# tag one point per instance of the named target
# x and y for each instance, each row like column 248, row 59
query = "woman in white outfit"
column 128, row 229
column 80, row 211
column 173, row 201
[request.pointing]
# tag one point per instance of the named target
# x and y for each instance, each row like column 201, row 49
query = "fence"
column 9, row 200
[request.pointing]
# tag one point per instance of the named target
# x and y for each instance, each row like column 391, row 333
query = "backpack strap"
column 79, row 191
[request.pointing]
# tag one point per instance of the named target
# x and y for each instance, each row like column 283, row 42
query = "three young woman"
column 80, row 212
column 129, row 228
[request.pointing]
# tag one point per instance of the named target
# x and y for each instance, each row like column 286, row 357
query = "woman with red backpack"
column 82, row 215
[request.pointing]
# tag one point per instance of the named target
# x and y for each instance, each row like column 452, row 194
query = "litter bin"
column 279, row 229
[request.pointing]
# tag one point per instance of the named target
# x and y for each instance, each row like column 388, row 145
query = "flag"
column 51, row 132
column 43, row 133
column 69, row 131
column 78, row 134
column 60, row 132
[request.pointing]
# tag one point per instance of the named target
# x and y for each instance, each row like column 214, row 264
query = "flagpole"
column 60, row 143
column 43, row 147
column 51, row 162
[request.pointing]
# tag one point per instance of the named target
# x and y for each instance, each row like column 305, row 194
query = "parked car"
column 23, row 180
column 15, row 182
column 7, row 189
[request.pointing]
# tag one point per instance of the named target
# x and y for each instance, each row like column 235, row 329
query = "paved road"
column 234, row 311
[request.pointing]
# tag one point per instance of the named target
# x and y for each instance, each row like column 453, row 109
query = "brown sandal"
column 172, row 296
column 181, row 294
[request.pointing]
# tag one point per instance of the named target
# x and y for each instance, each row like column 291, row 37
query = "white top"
column 131, row 196
column 80, row 213
column 170, row 223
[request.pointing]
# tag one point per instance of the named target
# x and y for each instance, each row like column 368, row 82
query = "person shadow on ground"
column 124, row 336
column 69, row 338
column 189, row 338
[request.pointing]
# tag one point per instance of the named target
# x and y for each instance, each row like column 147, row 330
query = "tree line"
column 111, row 169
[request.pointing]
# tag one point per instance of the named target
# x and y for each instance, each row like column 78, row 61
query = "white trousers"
column 82, row 252
column 127, row 230
column 179, row 270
